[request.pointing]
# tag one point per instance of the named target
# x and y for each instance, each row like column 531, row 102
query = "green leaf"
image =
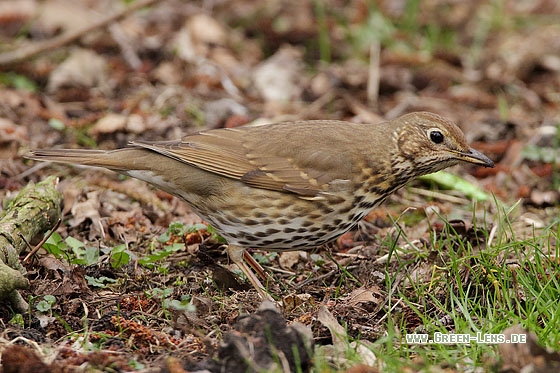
column 55, row 245
column 160, row 254
column 43, row 306
column 11, row 79
column 50, row 299
column 17, row 320
column 180, row 305
column 196, row 227
column 136, row 365
column 57, row 124
column 214, row 234
column 164, row 237
column 85, row 256
column 74, row 243
column 100, row 282
column 176, row 228
column 119, row 256
column 160, row 293
column 450, row 181
column 92, row 255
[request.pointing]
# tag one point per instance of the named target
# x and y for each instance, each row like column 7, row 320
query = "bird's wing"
column 287, row 157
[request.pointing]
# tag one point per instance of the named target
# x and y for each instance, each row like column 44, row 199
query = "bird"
column 286, row 186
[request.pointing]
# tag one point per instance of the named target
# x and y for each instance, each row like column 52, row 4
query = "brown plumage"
column 292, row 185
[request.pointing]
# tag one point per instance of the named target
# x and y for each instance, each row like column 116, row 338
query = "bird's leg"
column 256, row 266
column 236, row 254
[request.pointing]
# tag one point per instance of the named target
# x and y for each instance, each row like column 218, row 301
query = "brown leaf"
column 363, row 295
column 83, row 68
column 279, row 77
column 288, row 259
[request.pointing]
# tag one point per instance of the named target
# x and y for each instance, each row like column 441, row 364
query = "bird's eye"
column 436, row 136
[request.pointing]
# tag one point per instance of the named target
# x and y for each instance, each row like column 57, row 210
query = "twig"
column 34, row 49
column 315, row 279
column 492, row 234
column 38, row 246
column 374, row 73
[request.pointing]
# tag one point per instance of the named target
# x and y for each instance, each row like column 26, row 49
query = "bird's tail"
column 112, row 159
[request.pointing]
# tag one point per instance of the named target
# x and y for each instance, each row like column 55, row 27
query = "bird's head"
column 428, row 143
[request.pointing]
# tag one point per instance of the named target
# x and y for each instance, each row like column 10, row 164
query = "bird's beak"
column 475, row 157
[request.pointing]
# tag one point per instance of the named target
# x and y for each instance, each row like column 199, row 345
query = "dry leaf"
column 109, row 124
column 83, row 69
column 363, row 295
column 88, row 209
column 288, row 259
column 279, row 77
column 293, row 301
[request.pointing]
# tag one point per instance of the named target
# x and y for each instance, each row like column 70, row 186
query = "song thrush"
column 287, row 186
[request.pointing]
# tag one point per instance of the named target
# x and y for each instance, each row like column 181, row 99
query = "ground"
column 132, row 279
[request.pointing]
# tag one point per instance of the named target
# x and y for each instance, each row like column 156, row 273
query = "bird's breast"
column 270, row 220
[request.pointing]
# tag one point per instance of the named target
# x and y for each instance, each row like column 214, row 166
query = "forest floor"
column 133, row 280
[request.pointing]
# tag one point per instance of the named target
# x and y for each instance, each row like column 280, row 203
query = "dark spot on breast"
column 378, row 191
column 346, row 209
column 302, row 230
column 337, row 221
column 327, row 210
column 252, row 238
column 358, row 199
column 288, row 230
column 307, row 223
column 284, row 205
column 271, row 231
column 367, row 205
column 314, row 229
column 221, row 219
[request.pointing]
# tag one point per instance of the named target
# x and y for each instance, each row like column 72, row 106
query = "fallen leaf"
column 288, row 259
column 109, row 124
column 279, row 77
